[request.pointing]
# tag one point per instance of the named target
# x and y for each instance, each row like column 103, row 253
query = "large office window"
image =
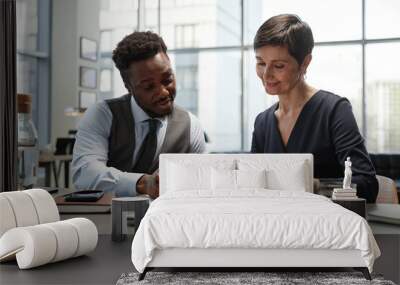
column 382, row 78
column 200, row 90
column 117, row 19
column 210, row 44
column 185, row 36
column 33, row 30
column 383, row 97
column 330, row 20
column 338, row 68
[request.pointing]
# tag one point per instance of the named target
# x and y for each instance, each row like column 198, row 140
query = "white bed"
column 247, row 210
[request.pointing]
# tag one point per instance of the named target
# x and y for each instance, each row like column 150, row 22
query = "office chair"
column 387, row 190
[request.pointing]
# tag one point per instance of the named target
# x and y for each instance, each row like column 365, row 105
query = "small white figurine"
column 347, row 174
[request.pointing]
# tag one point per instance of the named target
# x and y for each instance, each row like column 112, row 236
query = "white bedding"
column 251, row 218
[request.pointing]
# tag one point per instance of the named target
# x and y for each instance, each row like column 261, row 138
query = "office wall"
column 71, row 20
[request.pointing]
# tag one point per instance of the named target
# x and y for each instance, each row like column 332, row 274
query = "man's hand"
column 148, row 184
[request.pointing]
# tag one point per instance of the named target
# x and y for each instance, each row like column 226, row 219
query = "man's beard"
column 158, row 115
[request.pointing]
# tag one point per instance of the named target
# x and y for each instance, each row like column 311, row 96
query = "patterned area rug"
column 229, row 278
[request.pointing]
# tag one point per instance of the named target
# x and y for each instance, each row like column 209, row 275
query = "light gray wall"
column 71, row 20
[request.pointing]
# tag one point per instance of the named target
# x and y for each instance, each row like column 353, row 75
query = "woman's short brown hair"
column 286, row 30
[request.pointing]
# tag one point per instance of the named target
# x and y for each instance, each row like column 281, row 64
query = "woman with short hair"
column 306, row 119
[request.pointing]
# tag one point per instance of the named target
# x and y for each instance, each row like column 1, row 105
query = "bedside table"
column 356, row 205
column 120, row 206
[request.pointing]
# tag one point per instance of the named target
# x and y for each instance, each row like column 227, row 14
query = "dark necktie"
column 148, row 149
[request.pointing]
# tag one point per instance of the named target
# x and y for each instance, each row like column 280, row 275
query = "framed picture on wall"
column 88, row 77
column 87, row 99
column 88, row 49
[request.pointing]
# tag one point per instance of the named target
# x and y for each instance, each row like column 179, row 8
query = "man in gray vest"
column 119, row 140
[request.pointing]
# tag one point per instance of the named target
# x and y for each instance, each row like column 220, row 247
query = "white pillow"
column 280, row 175
column 223, row 179
column 181, row 177
column 193, row 175
column 292, row 178
column 251, row 178
column 236, row 179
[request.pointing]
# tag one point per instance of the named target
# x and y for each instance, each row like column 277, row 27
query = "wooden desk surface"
column 101, row 220
column 54, row 157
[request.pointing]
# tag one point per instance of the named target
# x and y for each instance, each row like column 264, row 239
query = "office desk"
column 49, row 162
column 388, row 238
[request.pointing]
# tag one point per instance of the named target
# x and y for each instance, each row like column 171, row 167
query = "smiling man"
column 119, row 140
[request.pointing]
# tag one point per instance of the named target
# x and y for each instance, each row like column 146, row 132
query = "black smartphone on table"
column 84, row 196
